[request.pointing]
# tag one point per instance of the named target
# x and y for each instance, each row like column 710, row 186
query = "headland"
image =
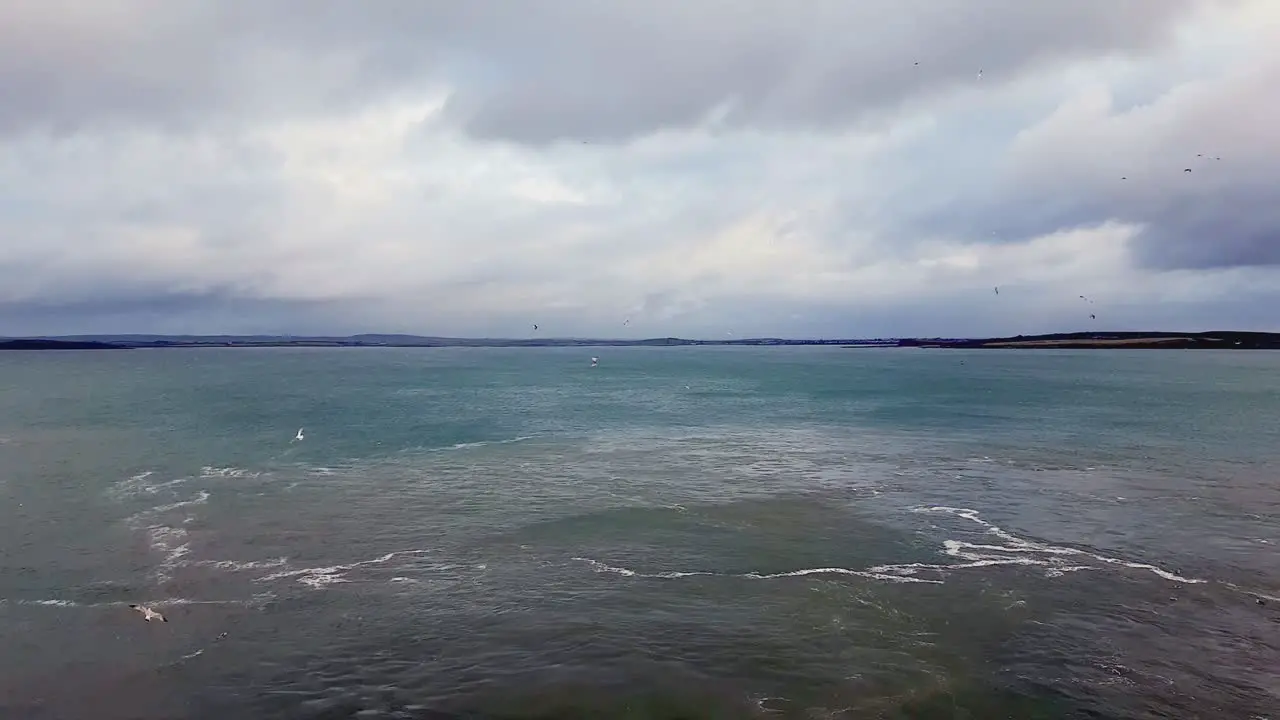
column 1213, row 339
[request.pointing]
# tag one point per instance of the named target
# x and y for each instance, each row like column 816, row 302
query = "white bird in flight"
column 148, row 614
column 595, row 361
column 298, row 436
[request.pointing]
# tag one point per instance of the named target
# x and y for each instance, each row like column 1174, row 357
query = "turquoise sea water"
column 678, row 532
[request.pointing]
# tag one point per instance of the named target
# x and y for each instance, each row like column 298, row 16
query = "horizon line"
column 465, row 338
column 832, row 339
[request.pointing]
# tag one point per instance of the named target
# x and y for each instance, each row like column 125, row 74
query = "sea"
column 683, row 532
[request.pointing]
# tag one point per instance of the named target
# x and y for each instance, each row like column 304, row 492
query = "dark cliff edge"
column 42, row 344
column 1213, row 339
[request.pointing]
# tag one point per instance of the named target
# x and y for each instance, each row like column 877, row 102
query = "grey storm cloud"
column 123, row 311
column 1197, row 170
column 572, row 69
column 628, row 68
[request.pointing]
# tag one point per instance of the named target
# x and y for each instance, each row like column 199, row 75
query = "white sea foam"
column 172, row 543
column 143, row 484
column 243, row 565
column 255, row 601
column 1253, row 593
column 1020, row 551
column 319, row 577
column 164, row 532
column 673, row 575
column 139, row 520
column 168, row 541
column 1015, row 551
column 872, row 574
column 483, row 443
column 200, row 498
column 227, row 472
column 50, row 603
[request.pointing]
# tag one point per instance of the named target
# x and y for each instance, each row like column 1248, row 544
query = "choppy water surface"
column 677, row 533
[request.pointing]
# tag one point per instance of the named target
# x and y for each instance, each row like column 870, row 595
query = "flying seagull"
column 997, row 290
column 148, row 614
column 298, row 436
column 595, row 361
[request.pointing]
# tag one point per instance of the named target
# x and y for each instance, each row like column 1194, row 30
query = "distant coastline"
column 96, row 342
column 43, row 344
column 1225, row 340
column 1213, row 339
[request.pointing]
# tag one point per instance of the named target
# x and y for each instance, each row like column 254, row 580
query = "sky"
column 639, row 168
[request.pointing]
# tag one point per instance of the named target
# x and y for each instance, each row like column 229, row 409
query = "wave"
column 243, row 565
column 172, row 543
column 228, row 472
column 136, row 521
column 256, row 601
column 163, row 523
column 1016, row 551
column 145, row 484
column 1253, row 593
column 483, row 443
column 872, row 574
column 1020, row 551
column 318, row 578
column 142, row 484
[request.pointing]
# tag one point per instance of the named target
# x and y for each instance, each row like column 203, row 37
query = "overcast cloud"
column 826, row 168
